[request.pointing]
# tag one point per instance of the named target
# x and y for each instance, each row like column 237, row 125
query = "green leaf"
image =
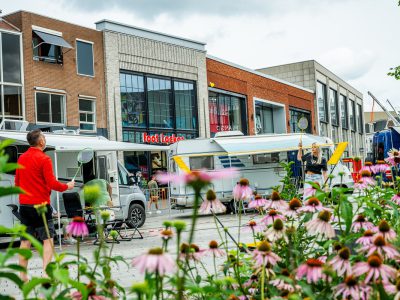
column 346, row 212
column 382, row 293
column 26, row 253
column 34, row 282
column 11, row 167
column 61, row 275
column 12, row 190
column 15, row 267
column 35, row 243
column 6, row 143
column 80, row 287
column 12, row 277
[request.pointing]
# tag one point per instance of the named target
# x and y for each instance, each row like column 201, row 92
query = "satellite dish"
column 303, row 123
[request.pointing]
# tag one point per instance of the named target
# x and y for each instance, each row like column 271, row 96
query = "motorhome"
column 257, row 158
column 63, row 150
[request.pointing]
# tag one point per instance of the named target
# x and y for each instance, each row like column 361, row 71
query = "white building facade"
column 338, row 105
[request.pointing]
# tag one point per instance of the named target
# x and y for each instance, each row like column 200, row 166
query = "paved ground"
column 206, row 231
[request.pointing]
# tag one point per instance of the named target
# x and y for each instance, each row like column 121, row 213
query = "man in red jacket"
column 36, row 178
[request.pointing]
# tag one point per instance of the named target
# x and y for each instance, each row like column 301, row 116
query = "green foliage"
column 395, row 72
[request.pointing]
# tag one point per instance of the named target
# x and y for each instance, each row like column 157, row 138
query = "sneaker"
column 158, row 211
column 70, row 241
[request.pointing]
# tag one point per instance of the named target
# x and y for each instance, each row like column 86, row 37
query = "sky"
column 358, row 40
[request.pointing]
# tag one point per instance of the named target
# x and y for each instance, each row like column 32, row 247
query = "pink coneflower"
column 191, row 252
column 380, row 246
column 384, row 229
column 396, row 198
column 258, row 202
column 374, row 269
column 242, row 190
column 366, row 177
column 263, row 255
column 214, row 250
column 276, row 232
column 252, row 226
column 78, row 296
column 360, row 222
column 155, row 261
column 192, row 177
column 292, row 210
column 211, row 204
column 312, row 270
column 366, row 239
column 166, row 234
column 271, row 216
column 380, row 167
column 321, row 226
column 282, row 285
column 252, row 282
column 367, row 167
column 310, row 190
column 341, row 263
column 276, row 202
column 312, row 205
column 78, row 227
column 361, row 185
column 393, row 159
column 352, row 289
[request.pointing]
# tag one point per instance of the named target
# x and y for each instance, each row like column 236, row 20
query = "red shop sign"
column 161, row 138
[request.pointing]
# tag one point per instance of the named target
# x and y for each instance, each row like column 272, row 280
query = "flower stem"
column 262, row 280
column 78, row 253
column 215, row 266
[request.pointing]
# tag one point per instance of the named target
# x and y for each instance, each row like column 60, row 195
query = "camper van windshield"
column 202, row 162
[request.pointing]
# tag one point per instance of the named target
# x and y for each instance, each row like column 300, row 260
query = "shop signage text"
column 161, row 138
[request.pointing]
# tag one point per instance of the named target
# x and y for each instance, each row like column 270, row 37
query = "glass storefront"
column 295, row 115
column 227, row 113
column 157, row 110
column 264, row 118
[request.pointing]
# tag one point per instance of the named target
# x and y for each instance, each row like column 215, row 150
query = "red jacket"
column 36, row 178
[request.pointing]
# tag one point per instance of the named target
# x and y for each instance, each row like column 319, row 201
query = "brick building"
column 253, row 102
column 63, row 74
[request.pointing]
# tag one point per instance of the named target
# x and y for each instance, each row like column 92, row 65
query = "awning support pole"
column 58, row 201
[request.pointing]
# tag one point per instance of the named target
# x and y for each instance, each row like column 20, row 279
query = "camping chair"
column 73, row 208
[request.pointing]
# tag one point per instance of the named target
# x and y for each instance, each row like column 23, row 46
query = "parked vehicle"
column 63, row 150
column 383, row 141
column 256, row 157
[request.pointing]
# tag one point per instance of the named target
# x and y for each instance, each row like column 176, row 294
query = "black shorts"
column 34, row 222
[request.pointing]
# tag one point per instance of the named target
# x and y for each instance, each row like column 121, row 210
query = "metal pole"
column 396, row 123
column 58, row 201
column 394, row 110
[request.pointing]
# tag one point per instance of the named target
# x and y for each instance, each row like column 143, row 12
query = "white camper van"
column 63, row 150
column 256, row 157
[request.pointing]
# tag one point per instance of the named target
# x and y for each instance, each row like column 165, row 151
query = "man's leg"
column 22, row 261
column 47, row 253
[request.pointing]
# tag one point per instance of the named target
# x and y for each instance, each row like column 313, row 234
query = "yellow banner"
column 181, row 164
column 338, row 153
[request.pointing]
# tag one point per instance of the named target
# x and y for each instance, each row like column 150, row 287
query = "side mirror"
column 131, row 180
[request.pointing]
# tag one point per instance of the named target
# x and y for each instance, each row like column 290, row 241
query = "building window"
column 87, row 115
column 334, row 107
column 345, row 135
column 160, row 103
column 343, row 111
column 50, row 108
column 323, row 129
column 227, row 113
column 295, row 116
column 185, row 107
column 360, row 118
column 11, row 58
column 11, row 89
column 335, row 134
column 84, row 58
column 159, row 106
column 47, row 52
column 352, row 114
column 322, row 102
column 264, row 119
column 133, row 102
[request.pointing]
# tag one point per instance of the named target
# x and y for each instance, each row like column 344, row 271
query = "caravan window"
column 266, row 158
column 202, row 162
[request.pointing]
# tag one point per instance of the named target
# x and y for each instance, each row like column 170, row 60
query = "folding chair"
column 73, row 208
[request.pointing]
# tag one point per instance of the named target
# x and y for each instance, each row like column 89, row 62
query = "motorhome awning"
column 70, row 143
column 52, row 39
column 268, row 143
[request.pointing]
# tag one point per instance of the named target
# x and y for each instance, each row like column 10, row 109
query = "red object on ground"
column 356, row 176
column 36, row 178
column 357, row 165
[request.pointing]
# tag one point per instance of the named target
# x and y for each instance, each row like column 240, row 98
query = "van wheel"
column 136, row 215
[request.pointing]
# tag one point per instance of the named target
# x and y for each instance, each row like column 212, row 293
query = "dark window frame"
column 346, row 113
column 167, row 131
column 304, row 112
column 326, row 103
column 353, row 123
column 63, row 107
column 361, row 118
column 336, row 107
column 58, row 57
column 243, row 109
column 77, row 41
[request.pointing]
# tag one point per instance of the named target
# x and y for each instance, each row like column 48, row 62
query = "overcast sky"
column 356, row 39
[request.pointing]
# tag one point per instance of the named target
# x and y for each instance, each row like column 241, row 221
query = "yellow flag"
column 338, row 153
column 181, row 164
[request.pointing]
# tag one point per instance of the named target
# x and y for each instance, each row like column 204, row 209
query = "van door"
column 107, row 169
column 6, row 216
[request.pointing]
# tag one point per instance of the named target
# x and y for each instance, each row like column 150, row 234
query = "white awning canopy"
column 53, row 39
column 73, row 143
column 269, row 143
